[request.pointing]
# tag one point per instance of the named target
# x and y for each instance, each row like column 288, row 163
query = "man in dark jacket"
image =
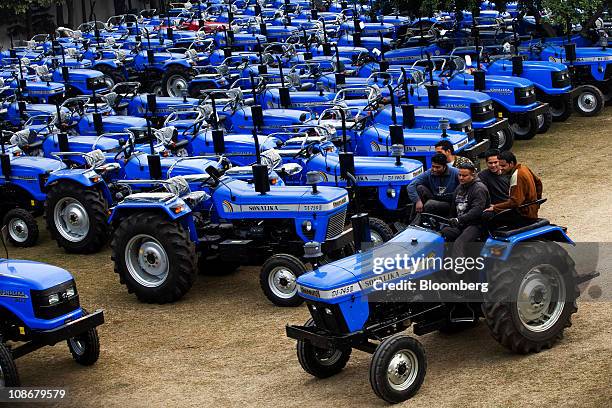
column 471, row 198
column 496, row 181
column 432, row 191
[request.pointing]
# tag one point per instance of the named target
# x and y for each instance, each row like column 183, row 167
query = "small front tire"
column 85, row 348
column 398, row 368
column 278, row 278
column 590, row 101
column 319, row 362
column 22, row 228
column 9, row 377
column 380, row 232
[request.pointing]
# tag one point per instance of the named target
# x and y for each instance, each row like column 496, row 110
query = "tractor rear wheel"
column 590, row 101
column 76, row 217
column 278, row 278
column 545, row 120
column 318, row 362
column 531, row 297
column 175, row 81
column 398, row 368
column 9, row 377
column 22, row 227
column 154, row 258
column 561, row 109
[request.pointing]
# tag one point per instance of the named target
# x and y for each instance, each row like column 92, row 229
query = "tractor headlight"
column 391, row 192
column 307, row 226
column 70, row 292
column 54, row 298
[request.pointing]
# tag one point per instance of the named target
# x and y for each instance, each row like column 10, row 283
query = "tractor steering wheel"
column 433, row 221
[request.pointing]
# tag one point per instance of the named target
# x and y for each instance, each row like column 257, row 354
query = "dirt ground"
column 224, row 344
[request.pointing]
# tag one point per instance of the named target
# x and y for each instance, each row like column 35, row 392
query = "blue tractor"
column 159, row 237
column 22, row 181
column 40, row 307
column 525, row 288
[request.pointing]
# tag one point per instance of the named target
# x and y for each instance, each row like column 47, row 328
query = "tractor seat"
column 508, row 231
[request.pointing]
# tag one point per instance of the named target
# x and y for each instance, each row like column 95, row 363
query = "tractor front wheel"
column 76, row 217
column 531, row 297
column 278, row 278
column 590, row 101
column 398, row 368
column 85, row 348
column 22, row 227
column 318, row 362
column 9, row 377
column 379, row 231
column 545, row 120
column 561, row 109
column 154, row 258
column 112, row 76
column 175, row 81
column 505, row 139
column 525, row 127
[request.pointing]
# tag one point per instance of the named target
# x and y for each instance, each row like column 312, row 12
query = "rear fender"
column 83, row 178
column 500, row 249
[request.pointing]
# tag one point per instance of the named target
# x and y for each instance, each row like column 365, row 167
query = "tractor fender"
column 84, row 178
column 176, row 62
column 106, row 63
column 500, row 249
column 175, row 210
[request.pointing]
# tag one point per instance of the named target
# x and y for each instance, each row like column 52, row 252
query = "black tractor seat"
column 508, row 231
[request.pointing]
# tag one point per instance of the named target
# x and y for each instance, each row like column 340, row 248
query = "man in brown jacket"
column 525, row 187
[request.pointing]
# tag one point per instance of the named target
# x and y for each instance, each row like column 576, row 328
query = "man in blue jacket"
column 432, row 191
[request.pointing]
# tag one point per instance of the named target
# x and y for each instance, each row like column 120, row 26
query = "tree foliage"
column 22, row 6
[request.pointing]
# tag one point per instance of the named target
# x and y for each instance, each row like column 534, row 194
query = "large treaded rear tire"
column 500, row 308
column 178, row 247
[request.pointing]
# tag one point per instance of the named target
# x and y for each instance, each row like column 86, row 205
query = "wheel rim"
column 541, row 298
column 328, row 357
column 540, row 121
column 402, row 370
column 109, row 82
column 146, row 261
column 157, row 90
column 176, row 85
column 501, row 136
column 281, row 281
column 77, row 346
column 18, row 230
column 587, row 102
column 71, row 219
column 377, row 239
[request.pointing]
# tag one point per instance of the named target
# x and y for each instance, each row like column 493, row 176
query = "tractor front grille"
column 482, row 112
column 561, row 79
column 44, row 310
column 336, row 224
column 328, row 317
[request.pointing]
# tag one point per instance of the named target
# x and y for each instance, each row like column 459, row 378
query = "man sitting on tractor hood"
column 525, row 187
column 432, row 191
column 446, row 148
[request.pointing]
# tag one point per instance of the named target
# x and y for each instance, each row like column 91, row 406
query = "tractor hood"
column 341, row 279
column 415, row 140
column 84, row 144
column 495, row 81
column 279, row 200
column 21, row 276
column 583, row 54
column 28, row 166
column 430, row 116
column 138, row 105
column 504, row 66
column 44, row 88
column 372, row 171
